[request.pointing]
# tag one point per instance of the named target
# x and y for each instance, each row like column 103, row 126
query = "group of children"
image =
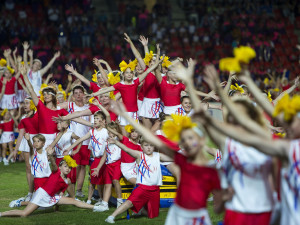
column 145, row 116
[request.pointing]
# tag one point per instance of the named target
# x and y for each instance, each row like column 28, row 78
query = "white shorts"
column 171, row 109
column 151, row 108
column 7, row 137
column 128, row 170
column 24, row 147
column 9, row 102
column 43, row 199
column 178, row 216
column 123, row 121
column 21, row 95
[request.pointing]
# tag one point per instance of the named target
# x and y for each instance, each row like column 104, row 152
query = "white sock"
column 111, row 217
column 104, row 203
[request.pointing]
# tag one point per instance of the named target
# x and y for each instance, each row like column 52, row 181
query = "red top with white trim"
column 129, row 94
column 94, row 108
column 151, row 87
column 46, row 124
column 125, row 157
column 170, row 93
column 55, row 184
column 30, row 124
column 8, row 126
column 196, row 183
column 10, row 86
column 94, row 87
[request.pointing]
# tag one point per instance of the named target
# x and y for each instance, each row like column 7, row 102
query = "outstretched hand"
column 95, row 172
column 127, row 38
column 57, row 54
column 183, row 73
column 297, row 81
column 96, row 61
column 143, row 40
column 111, row 141
column 57, row 119
column 25, row 45
column 211, row 76
column 70, row 68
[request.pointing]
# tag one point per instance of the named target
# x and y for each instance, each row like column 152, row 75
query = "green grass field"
column 13, row 185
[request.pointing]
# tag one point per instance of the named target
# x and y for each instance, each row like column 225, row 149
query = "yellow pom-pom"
column 244, row 54
column 11, row 70
column 60, row 87
column 94, row 77
column 112, row 95
column 32, row 106
column 113, row 79
column 237, row 88
column 266, row 81
column 288, row 106
column 270, row 96
column 3, row 112
column 166, row 63
column 129, row 128
column 91, row 100
column 71, row 162
column 3, row 62
column 148, row 58
column 230, row 65
column 173, row 126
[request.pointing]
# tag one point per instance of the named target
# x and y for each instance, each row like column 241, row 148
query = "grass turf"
column 13, row 185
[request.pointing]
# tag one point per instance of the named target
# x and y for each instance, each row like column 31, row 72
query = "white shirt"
column 39, row 165
column 98, row 141
column 290, row 187
column 247, row 171
column 35, row 80
column 149, row 171
column 64, row 142
column 113, row 153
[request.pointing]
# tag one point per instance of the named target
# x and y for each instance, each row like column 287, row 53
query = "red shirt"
column 171, row 93
column 8, row 126
column 94, row 87
column 151, row 87
column 30, row 124
column 196, row 183
column 10, row 86
column 141, row 93
column 46, row 124
column 94, row 108
column 125, row 157
column 129, row 94
column 55, row 184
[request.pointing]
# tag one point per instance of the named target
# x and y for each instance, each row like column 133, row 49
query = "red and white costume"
column 196, row 183
column 128, row 164
column 149, row 178
column 48, row 194
column 152, row 105
column 9, row 99
column 247, row 171
column 170, row 95
column 21, row 93
column 97, row 146
column 113, row 163
column 47, row 126
column 94, row 88
column 35, row 79
column 30, row 125
column 129, row 97
column 8, row 131
column 290, row 187
column 40, row 168
column 83, row 156
column 94, row 108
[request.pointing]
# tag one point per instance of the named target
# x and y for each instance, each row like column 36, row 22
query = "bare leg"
column 175, row 170
column 126, row 205
column 30, row 208
column 71, row 190
column 132, row 180
column 91, row 191
column 28, row 172
column 11, row 148
column 107, row 192
column 72, row 201
column 80, row 178
column 100, row 190
column 147, row 122
column 117, row 188
column 4, row 149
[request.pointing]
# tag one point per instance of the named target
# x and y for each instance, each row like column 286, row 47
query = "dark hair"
column 184, row 97
column 114, row 125
column 52, row 90
column 101, row 114
column 40, row 137
column 62, row 162
column 162, row 116
column 78, row 87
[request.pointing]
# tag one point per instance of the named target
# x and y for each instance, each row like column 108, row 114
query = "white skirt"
column 151, row 108
column 21, row 95
column 179, row 216
column 7, row 137
column 9, row 102
column 172, row 109
column 128, row 170
column 49, row 139
column 139, row 103
column 43, row 199
column 24, row 147
column 123, row 121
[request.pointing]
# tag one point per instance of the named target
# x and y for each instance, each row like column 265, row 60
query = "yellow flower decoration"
column 244, row 54
column 237, row 88
column 3, row 62
column 230, row 65
column 113, row 79
column 266, row 81
column 91, row 100
column 123, row 65
column 94, row 77
column 166, row 63
column 129, row 128
column 281, row 135
column 112, row 95
column 60, row 87
column 148, row 58
column 3, row 112
column 288, row 106
column 32, row 106
column 71, row 162
column 11, row 70
column 270, row 96
column 173, row 126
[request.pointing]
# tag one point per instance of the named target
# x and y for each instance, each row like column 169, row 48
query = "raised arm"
column 57, row 138
column 106, row 64
column 48, row 66
column 50, row 75
column 135, row 154
column 72, row 116
column 73, row 71
column 68, row 89
column 120, row 136
column 30, row 53
column 106, row 113
column 32, row 93
column 103, row 91
column 27, row 137
column 229, row 82
column 4, row 81
column 77, row 142
column 144, row 42
column 25, row 49
column 288, row 91
column 135, row 52
column 102, row 71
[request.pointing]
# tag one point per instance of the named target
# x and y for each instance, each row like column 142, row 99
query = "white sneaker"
column 100, row 208
column 16, row 203
column 98, row 203
column 88, row 202
column 110, row 219
column 5, row 161
column 80, row 194
column 28, row 198
column 12, row 160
